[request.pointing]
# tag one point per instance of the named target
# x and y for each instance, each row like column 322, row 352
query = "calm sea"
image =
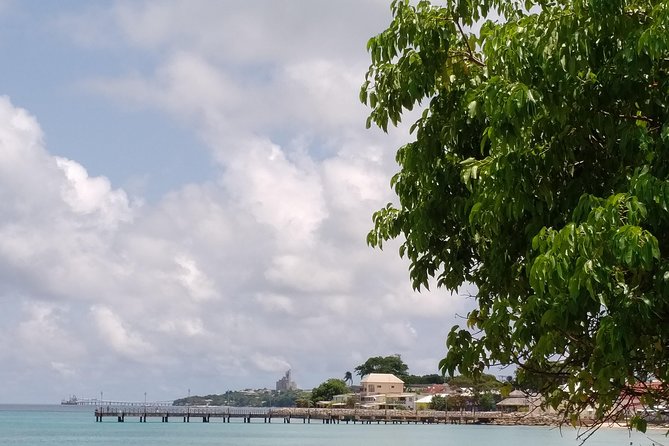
column 75, row 425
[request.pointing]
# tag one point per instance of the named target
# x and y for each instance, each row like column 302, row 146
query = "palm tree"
column 348, row 378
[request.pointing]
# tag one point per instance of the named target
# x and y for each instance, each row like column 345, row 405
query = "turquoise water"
column 73, row 426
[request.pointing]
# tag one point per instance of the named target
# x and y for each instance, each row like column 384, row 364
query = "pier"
column 207, row 414
column 97, row 402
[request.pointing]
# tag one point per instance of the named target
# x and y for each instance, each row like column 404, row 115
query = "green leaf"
column 536, row 180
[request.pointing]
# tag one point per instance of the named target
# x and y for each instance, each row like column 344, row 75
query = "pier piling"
column 327, row 416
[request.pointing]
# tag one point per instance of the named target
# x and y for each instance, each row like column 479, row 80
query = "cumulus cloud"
column 308, row 274
column 115, row 333
column 197, row 285
column 277, row 192
column 93, row 196
column 237, row 279
column 276, row 303
column 263, row 31
column 62, row 368
column 270, row 363
column 43, row 336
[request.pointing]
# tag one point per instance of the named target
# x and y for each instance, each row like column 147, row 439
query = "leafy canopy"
column 432, row 378
column 383, row 364
column 538, row 172
column 328, row 389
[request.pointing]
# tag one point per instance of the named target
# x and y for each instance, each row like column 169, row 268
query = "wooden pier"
column 179, row 412
column 116, row 404
column 287, row 415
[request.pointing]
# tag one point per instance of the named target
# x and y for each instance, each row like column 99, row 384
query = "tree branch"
column 470, row 52
column 630, row 117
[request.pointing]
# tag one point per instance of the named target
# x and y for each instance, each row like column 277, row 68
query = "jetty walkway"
column 287, row 415
column 99, row 403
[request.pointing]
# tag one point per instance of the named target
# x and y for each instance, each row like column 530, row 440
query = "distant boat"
column 71, row 401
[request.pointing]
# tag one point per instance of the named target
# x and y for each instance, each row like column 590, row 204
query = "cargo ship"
column 71, row 401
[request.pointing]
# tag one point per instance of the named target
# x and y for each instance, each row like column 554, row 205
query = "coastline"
column 454, row 417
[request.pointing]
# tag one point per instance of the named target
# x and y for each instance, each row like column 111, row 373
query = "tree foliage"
column 480, row 401
column 383, row 364
column 487, row 401
column 438, row 403
column 481, row 383
column 348, row 378
column 257, row 398
column 539, row 173
column 450, row 402
column 327, row 390
column 423, row 379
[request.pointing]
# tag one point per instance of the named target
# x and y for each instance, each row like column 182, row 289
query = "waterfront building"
column 519, row 401
column 344, row 400
column 424, row 402
column 385, row 391
column 286, row 383
column 377, row 383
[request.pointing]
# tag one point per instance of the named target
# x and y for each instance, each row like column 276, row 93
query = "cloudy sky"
column 185, row 191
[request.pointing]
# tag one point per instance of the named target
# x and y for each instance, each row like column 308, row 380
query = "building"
column 344, row 400
column 425, row 402
column 385, row 391
column 519, row 401
column 381, row 383
column 286, row 383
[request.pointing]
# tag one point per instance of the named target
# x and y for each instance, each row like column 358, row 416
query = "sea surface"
column 75, row 425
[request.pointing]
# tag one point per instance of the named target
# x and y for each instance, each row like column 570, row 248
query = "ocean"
column 57, row 425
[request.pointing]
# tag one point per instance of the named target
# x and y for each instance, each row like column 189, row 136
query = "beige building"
column 389, row 401
column 381, row 383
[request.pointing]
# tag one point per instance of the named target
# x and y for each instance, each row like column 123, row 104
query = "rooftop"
column 381, row 378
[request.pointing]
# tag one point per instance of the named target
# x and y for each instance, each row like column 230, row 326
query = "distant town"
column 385, row 384
column 375, row 391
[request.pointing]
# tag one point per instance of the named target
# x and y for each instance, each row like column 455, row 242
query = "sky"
column 185, row 191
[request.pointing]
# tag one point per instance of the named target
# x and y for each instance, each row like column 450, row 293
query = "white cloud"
column 184, row 327
column 114, row 332
column 277, row 192
column 197, row 285
column 256, row 32
column 93, row 196
column 270, row 363
column 265, row 268
column 43, row 337
column 402, row 333
column 275, row 303
column 62, row 368
column 306, row 273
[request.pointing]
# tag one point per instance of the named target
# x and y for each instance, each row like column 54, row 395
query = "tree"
column 456, row 402
column 327, row 390
column 348, row 378
column 438, row 403
column 482, row 383
column 423, row 379
column 538, row 172
column 303, row 402
column 383, row 364
column 486, row 401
